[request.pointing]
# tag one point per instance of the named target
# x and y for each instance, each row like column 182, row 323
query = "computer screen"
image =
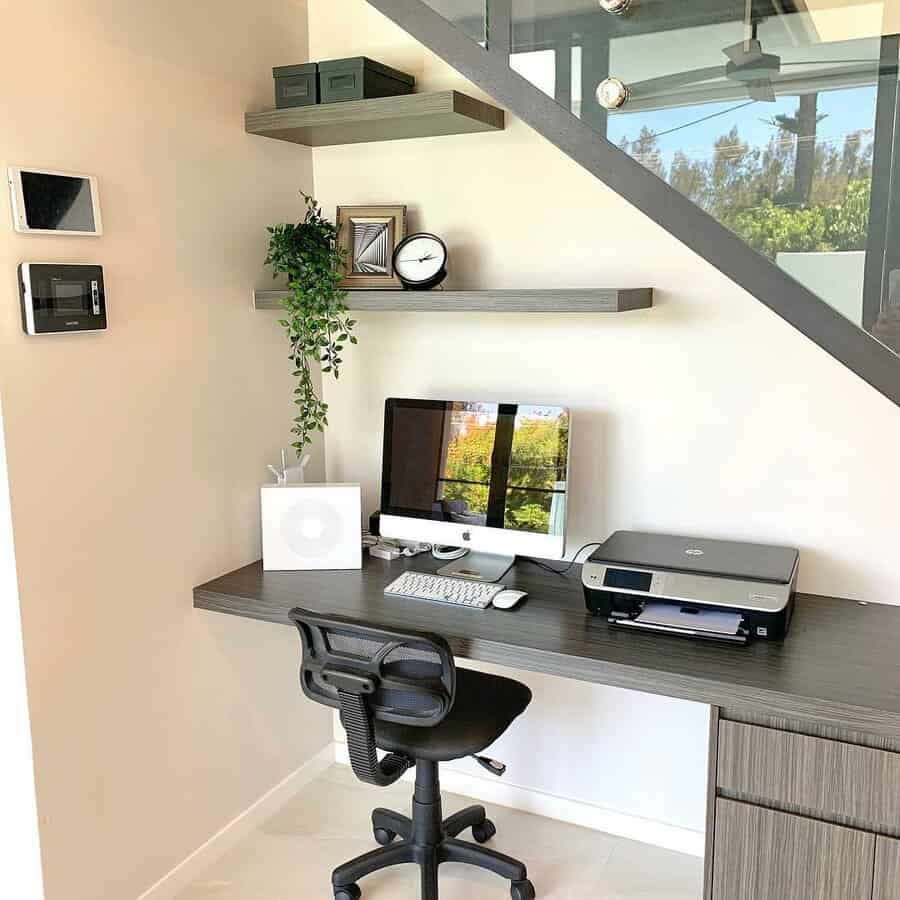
column 477, row 464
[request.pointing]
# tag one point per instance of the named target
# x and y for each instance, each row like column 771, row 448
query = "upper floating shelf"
column 385, row 119
column 579, row 300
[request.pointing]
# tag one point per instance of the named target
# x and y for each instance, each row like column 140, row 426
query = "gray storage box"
column 361, row 78
column 296, row 85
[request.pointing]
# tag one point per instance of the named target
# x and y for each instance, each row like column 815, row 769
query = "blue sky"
column 848, row 111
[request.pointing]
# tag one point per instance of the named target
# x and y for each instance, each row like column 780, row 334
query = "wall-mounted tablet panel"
column 62, row 298
column 48, row 202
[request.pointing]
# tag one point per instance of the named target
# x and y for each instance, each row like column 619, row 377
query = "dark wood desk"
column 840, row 663
column 805, row 742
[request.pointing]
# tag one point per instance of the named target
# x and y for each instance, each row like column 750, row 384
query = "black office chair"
column 401, row 692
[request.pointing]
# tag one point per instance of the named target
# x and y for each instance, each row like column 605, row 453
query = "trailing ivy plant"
column 317, row 324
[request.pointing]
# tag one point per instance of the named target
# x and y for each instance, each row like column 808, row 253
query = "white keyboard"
column 459, row 591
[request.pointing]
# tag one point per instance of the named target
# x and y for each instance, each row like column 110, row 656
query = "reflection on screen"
column 68, row 298
column 58, row 202
column 481, row 464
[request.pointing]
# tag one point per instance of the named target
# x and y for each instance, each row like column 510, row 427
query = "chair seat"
column 484, row 707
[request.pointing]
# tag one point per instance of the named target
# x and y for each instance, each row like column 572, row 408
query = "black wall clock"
column 420, row 262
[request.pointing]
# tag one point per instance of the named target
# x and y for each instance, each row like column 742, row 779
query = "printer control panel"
column 629, row 580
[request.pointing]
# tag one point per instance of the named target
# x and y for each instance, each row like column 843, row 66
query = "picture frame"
column 369, row 235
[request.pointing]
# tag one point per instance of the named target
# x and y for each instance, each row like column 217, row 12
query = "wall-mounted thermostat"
column 62, row 298
column 48, row 202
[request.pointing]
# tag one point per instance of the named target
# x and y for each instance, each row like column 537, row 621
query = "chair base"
column 427, row 840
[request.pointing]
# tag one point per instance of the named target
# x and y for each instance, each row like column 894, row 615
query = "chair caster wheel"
column 484, row 832
column 351, row 892
column 384, row 837
column 522, row 890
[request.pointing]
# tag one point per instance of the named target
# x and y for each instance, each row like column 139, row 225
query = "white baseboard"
column 238, row 828
column 490, row 789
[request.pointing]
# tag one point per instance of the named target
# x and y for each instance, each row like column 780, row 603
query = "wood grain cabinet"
column 800, row 815
column 832, row 780
column 887, row 869
column 761, row 854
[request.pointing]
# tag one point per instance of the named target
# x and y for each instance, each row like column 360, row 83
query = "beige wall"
column 891, row 17
column 848, row 19
column 135, row 455
column 18, row 815
column 706, row 415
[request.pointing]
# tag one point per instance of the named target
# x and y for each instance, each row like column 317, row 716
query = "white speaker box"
column 311, row 526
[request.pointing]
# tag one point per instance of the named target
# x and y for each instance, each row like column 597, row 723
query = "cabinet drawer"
column 829, row 779
column 765, row 855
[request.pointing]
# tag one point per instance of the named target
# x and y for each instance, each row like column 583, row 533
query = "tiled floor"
column 292, row 855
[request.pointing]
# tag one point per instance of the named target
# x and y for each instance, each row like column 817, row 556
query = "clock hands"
column 423, row 259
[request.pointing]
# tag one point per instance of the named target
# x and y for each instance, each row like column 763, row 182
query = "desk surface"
column 840, row 664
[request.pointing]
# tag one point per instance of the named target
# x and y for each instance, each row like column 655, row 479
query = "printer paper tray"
column 739, row 638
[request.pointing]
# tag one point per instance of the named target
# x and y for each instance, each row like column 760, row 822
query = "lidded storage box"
column 361, row 78
column 296, row 85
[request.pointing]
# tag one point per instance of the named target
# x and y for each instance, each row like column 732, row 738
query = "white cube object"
column 311, row 526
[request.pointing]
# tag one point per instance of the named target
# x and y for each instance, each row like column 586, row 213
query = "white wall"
column 705, row 415
column 135, row 456
column 18, row 813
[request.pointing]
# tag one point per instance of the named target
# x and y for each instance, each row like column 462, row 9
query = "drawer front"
column 841, row 782
column 357, row 83
column 765, row 855
column 296, row 90
column 337, row 86
column 887, row 870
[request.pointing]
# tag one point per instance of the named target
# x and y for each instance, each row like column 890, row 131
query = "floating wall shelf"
column 385, row 119
column 578, row 300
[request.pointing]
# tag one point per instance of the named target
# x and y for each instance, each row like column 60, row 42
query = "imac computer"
column 492, row 478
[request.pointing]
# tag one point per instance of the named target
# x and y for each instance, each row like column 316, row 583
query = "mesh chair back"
column 370, row 673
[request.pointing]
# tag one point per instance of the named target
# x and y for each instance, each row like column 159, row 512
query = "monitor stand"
column 479, row 567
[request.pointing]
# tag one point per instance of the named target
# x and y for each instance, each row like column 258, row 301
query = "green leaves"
column 316, row 325
column 775, row 229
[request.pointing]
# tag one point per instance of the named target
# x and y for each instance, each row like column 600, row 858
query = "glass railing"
column 469, row 16
column 777, row 117
column 779, row 122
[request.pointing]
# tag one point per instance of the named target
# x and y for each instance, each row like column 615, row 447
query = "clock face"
column 420, row 258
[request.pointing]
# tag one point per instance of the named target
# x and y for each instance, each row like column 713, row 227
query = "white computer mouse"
column 508, row 599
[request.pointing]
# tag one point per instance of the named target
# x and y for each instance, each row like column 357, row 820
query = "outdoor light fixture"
column 612, row 93
column 618, row 7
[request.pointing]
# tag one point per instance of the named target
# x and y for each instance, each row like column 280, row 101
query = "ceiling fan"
column 748, row 65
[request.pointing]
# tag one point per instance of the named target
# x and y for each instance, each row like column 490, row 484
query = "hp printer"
column 694, row 587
